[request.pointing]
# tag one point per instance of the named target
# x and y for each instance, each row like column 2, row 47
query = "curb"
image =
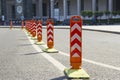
column 114, row 32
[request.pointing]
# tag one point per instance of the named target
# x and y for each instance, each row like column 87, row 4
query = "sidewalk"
column 101, row 28
column 104, row 28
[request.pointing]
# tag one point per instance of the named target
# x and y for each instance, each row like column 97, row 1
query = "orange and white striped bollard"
column 76, row 49
column 50, row 37
column 11, row 24
column 22, row 24
column 33, row 30
column 39, row 33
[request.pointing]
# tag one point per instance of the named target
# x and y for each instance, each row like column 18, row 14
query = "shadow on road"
column 34, row 53
column 25, row 45
column 60, row 78
column 112, row 32
column 22, row 39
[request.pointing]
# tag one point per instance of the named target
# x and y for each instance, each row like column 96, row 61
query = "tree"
column 119, row 12
column 107, row 13
column 89, row 14
column 83, row 13
column 114, row 13
column 98, row 14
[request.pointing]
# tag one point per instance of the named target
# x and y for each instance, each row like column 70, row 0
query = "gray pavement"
column 104, row 28
column 100, row 52
column 19, row 60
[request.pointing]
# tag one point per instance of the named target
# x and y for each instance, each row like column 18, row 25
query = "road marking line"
column 61, row 66
column 56, row 63
column 96, row 63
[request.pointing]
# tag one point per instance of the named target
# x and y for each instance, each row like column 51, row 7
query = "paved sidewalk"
column 104, row 28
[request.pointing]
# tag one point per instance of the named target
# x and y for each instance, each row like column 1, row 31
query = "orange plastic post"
column 33, row 28
column 39, row 30
column 50, row 34
column 11, row 24
column 30, row 26
column 26, row 25
column 22, row 24
column 76, row 42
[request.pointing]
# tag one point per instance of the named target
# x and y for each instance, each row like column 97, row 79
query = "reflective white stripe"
column 50, row 25
column 39, row 28
column 39, row 32
column 50, row 36
column 75, row 26
column 75, row 36
column 39, row 24
column 75, row 46
column 75, row 55
column 50, row 40
column 50, row 30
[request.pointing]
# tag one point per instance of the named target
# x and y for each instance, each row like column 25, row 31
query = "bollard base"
column 23, row 28
column 52, row 50
column 29, row 35
column 33, row 38
column 76, row 74
column 39, row 43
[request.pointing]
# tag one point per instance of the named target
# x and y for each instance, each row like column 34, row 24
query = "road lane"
column 20, row 61
column 102, row 48
column 97, row 46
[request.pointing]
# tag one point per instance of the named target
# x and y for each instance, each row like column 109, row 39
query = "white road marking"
column 61, row 66
column 56, row 63
column 96, row 63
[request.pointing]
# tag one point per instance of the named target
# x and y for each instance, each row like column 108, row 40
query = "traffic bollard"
column 39, row 33
column 11, row 24
column 33, row 31
column 76, row 50
column 50, row 37
column 22, row 23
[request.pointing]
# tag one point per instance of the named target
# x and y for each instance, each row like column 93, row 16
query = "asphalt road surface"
column 22, row 60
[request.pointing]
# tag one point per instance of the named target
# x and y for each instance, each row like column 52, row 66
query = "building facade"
column 59, row 9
